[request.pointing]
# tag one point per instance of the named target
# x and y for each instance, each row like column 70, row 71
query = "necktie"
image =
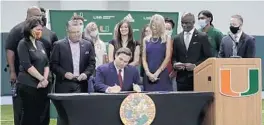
column 120, row 78
column 187, row 40
column 235, row 46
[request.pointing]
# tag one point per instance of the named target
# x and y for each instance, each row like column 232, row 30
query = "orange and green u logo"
column 225, row 83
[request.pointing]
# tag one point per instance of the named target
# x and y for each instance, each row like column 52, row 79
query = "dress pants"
column 17, row 108
column 35, row 105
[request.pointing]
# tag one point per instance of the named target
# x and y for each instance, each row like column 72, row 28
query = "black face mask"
column 233, row 29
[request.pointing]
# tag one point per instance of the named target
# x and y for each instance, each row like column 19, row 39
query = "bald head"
column 33, row 11
column 187, row 22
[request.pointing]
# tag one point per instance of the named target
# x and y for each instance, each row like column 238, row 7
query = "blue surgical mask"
column 202, row 23
column 169, row 32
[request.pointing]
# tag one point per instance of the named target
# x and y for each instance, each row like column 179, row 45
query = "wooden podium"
column 236, row 83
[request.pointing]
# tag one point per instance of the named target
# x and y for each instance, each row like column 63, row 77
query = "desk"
column 174, row 108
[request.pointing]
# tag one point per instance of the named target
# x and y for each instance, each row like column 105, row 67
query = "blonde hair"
column 88, row 28
column 160, row 27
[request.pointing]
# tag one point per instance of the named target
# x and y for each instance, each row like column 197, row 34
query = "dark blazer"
column 61, row 59
column 198, row 51
column 106, row 75
column 48, row 38
column 246, row 47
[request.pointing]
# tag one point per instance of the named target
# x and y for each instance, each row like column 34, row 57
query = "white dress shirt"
column 122, row 71
column 187, row 43
column 75, row 51
column 237, row 36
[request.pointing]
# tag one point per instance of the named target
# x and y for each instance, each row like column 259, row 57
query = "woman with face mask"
column 205, row 19
column 33, row 85
column 91, row 32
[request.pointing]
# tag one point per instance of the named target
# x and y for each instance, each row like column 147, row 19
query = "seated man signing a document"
column 117, row 76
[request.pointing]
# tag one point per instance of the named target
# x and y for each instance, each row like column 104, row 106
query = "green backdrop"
column 106, row 20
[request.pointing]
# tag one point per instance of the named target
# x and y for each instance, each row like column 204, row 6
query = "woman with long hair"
column 124, row 38
column 156, row 56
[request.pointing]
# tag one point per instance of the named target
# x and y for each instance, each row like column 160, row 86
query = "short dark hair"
column 77, row 17
column 30, row 24
column 124, row 50
column 208, row 14
column 168, row 20
column 42, row 10
column 239, row 17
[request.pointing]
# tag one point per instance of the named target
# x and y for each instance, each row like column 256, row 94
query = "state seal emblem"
column 137, row 109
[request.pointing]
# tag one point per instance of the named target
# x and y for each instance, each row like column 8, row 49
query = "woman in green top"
column 205, row 19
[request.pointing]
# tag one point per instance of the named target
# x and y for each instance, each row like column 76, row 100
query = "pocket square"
column 31, row 50
column 195, row 42
column 87, row 52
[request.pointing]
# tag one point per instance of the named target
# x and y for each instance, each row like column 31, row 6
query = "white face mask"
column 169, row 32
column 202, row 23
column 82, row 27
column 94, row 33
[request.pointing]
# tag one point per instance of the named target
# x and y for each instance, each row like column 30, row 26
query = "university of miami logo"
column 226, row 84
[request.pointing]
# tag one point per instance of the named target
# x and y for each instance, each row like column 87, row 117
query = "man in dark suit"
column 117, row 76
column 190, row 48
column 72, row 61
column 237, row 43
column 48, row 37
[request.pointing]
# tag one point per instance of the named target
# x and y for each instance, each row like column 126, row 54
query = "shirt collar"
column 239, row 34
column 117, row 70
column 191, row 31
column 71, row 41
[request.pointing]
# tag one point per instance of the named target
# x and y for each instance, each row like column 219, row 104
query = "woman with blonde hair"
column 156, row 56
column 91, row 33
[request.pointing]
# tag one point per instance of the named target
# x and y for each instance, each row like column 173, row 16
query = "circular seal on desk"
column 137, row 109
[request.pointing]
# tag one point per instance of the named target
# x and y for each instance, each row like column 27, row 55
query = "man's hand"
column 82, row 77
column 190, row 66
column 172, row 74
column 136, row 87
column 13, row 77
column 68, row 76
column 178, row 66
column 113, row 89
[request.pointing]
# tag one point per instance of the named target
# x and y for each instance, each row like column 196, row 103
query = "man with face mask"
column 205, row 20
column 190, row 48
column 237, row 43
column 12, row 40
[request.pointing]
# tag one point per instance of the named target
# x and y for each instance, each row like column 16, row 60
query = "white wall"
column 13, row 12
column 252, row 12
column 222, row 10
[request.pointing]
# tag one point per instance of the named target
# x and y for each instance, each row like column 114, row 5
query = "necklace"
column 154, row 41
